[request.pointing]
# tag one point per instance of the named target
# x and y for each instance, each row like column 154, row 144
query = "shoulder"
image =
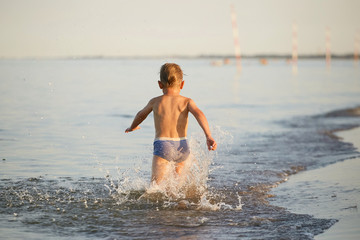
column 185, row 99
column 190, row 101
column 190, row 104
column 155, row 100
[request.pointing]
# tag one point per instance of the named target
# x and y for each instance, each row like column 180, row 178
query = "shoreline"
column 331, row 192
column 347, row 226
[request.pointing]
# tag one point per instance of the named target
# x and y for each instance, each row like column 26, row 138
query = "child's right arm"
column 201, row 119
column 140, row 117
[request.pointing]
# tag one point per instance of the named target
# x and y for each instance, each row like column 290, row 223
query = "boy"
column 171, row 119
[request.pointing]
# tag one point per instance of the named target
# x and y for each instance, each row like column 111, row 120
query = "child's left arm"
column 140, row 117
column 200, row 117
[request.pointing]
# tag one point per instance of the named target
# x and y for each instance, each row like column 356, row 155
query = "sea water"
column 68, row 170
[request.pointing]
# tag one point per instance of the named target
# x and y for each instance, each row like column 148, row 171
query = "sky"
column 63, row 28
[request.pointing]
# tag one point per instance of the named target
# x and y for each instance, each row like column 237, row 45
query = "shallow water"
column 329, row 192
column 69, row 170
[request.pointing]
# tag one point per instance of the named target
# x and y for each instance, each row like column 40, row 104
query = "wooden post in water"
column 328, row 48
column 294, row 49
column 236, row 38
column 356, row 48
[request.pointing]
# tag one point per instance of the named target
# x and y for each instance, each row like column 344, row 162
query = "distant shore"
column 344, row 56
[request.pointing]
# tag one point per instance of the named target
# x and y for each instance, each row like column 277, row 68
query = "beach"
column 68, row 170
column 330, row 192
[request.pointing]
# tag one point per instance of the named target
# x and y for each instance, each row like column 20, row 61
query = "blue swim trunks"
column 172, row 149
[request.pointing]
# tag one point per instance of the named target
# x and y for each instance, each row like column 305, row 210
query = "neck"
column 171, row 91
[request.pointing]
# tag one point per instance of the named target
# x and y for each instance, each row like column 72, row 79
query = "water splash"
column 190, row 190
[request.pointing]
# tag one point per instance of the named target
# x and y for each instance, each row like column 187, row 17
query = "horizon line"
column 206, row 56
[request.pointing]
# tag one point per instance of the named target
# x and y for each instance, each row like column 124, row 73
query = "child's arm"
column 140, row 117
column 201, row 119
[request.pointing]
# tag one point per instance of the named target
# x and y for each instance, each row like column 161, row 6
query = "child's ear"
column 161, row 86
column 182, row 84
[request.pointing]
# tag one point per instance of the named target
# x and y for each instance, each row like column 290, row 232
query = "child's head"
column 171, row 75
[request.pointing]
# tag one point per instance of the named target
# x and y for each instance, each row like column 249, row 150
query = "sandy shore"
column 331, row 192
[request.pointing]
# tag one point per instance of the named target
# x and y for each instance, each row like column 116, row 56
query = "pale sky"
column 59, row 28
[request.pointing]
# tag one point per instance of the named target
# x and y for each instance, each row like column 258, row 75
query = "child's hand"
column 130, row 130
column 211, row 144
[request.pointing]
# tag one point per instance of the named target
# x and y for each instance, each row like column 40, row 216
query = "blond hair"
column 171, row 75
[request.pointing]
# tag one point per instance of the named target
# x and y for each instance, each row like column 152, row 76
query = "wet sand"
column 329, row 192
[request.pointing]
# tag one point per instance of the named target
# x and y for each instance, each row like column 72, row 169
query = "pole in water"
column 294, row 49
column 236, row 38
column 328, row 48
column 356, row 48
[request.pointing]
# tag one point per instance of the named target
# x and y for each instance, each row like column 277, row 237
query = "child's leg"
column 181, row 169
column 160, row 167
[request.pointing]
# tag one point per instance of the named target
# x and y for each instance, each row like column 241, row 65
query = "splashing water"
column 190, row 190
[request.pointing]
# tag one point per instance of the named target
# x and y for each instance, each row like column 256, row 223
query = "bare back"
column 170, row 116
